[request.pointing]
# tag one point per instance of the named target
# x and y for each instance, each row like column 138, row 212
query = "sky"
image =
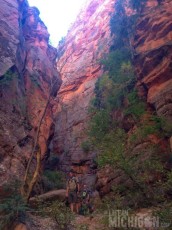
column 57, row 15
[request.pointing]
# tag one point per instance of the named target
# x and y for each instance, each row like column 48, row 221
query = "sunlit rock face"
column 87, row 40
column 153, row 61
column 27, row 68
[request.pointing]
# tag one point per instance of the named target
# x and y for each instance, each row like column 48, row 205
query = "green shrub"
column 164, row 213
column 136, row 106
column 112, row 202
column 82, row 227
column 148, row 127
column 12, row 207
column 166, row 126
column 60, row 213
column 108, row 95
column 7, row 78
column 53, row 180
column 118, row 65
column 99, row 125
column 118, row 25
column 111, row 148
column 168, row 184
column 86, row 146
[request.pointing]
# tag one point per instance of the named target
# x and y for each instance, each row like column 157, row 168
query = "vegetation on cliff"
column 123, row 127
column 124, row 130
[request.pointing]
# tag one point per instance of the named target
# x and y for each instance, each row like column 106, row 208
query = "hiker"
column 72, row 189
column 86, row 207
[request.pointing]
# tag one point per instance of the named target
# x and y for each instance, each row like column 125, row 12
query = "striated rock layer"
column 153, row 61
column 27, row 70
column 152, row 44
column 87, row 40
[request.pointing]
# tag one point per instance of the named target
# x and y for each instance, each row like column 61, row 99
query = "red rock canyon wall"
column 27, row 68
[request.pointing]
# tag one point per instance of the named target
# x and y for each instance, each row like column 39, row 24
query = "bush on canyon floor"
column 60, row 213
column 164, row 213
column 12, row 206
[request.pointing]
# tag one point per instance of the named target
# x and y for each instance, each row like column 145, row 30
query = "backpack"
column 84, row 194
column 72, row 184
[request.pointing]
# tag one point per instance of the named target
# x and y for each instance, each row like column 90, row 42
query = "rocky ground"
column 95, row 221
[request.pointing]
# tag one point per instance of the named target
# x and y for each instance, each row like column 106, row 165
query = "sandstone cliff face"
column 27, row 70
column 153, row 46
column 87, row 40
column 153, row 64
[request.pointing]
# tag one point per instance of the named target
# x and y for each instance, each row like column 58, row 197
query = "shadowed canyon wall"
column 27, row 70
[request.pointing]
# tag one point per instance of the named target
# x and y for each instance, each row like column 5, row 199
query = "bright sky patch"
column 57, row 15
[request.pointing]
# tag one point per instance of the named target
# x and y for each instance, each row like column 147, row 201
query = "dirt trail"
column 89, row 223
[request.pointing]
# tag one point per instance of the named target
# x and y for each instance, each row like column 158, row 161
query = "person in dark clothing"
column 86, row 207
column 72, row 189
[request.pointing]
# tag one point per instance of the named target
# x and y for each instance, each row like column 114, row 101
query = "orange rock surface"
column 153, row 46
column 87, row 41
column 27, row 71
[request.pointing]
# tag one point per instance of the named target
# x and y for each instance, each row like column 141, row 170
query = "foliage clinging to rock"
column 129, row 150
column 7, row 78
